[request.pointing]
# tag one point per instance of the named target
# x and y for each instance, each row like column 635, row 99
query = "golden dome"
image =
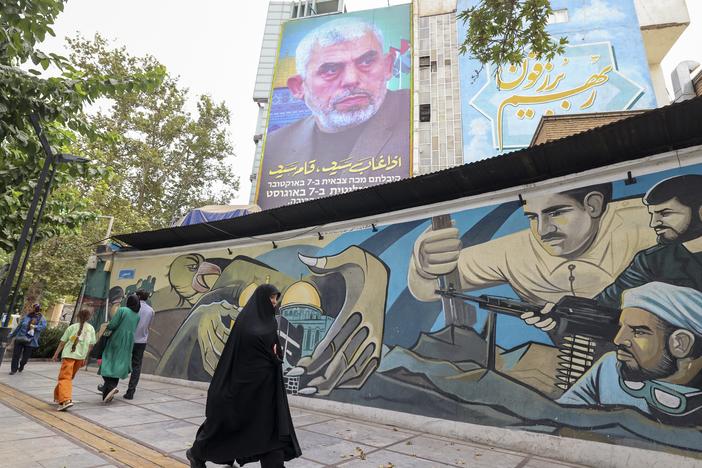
column 246, row 294
column 302, row 292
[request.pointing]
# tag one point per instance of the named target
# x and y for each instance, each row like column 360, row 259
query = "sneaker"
column 13, row 372
column 100, row 387
column 194, row 462
column 65, row 405
column 110, row 395
column 129, row 395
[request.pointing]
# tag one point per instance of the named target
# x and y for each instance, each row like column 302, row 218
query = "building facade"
column 449, row 100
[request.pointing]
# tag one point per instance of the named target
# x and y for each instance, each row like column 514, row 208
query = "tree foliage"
column 32, row 81
column 166, row 159
column 163, row 160
column 504, row 31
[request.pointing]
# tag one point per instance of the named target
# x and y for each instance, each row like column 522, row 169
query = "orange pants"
column 64, row 388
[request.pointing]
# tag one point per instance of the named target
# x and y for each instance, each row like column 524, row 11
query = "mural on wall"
column 578, row 313
column 604, row 68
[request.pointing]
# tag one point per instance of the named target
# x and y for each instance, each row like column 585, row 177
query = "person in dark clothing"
column 26, row 336
column 675, row 205
column 247, row 413
column 141, row 336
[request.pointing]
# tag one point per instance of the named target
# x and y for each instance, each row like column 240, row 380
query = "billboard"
column 604, row 68
column 340, row 106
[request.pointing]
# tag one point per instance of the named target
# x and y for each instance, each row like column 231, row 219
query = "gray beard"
column 335, row 121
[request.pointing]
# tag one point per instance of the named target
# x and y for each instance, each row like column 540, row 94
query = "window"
column 558, row 16
column 447, row 62
column 424, row 61
column 425, row 112
column 433, row 65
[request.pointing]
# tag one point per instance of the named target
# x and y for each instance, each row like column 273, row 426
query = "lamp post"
column 60, row 158
column 42, row 187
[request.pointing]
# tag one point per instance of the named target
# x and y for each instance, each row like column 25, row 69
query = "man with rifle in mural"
column 579, row 241
column 675, row 209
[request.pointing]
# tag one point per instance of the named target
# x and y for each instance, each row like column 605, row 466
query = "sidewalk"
column 163, row 419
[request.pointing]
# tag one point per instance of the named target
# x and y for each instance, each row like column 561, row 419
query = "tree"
column 504, row 31
column 58, row 98
column 166, row 160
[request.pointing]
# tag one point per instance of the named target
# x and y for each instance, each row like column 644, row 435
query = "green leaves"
column 60, row 102
column 504, row 31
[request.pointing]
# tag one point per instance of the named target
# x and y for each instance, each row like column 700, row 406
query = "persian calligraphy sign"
column 583, row 79
column 604, row 69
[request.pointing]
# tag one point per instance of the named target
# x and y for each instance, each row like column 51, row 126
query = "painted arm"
column 636, row 274
column 439, row 252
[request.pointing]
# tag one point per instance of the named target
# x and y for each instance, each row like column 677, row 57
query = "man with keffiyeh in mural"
column 657, row 365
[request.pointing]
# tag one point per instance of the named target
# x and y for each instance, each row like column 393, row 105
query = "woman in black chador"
column 248, row 418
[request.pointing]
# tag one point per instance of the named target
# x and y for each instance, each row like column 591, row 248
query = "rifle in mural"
column 456, row 311
column 586, row 328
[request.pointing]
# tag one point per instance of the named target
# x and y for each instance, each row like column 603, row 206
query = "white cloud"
column 597, row 11
column 476, row 148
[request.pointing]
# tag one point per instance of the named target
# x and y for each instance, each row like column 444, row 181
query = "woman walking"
column 247, row 413
column 117, row 356
column 26, row 336
column 76, row 343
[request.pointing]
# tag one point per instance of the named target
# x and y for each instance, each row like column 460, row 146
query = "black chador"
column 248, row 418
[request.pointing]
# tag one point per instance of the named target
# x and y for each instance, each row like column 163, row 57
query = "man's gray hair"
column 331, row 33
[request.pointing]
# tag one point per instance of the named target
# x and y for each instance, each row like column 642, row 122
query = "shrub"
column 49, row 341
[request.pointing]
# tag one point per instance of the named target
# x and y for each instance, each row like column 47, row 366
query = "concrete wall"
column 361, row 323
column 438, row 143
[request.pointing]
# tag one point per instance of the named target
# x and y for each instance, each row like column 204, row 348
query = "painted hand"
column 542, row 320
column 436, row 252
column 350, row 352
column 213, row 330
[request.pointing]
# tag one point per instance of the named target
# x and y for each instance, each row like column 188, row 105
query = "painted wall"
column 604, row 68
column 360, row 321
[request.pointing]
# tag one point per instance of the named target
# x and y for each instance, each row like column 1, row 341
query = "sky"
column 214, row 45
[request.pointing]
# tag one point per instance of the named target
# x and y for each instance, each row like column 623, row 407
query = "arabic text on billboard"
column 339, row 116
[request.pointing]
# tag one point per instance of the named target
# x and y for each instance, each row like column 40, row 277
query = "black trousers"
column 20, row 355
column 137, row 357
column 110, row 383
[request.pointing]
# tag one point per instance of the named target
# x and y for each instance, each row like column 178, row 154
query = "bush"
column 49, row 341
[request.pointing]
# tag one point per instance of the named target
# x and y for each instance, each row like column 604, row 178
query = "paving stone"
column 303, row 420
column 327, row 449
column 197, row 420
column 186, row 393
column 543, row 463
column 20, row 428
column 120, row 415
column 168, row 436
column 359, row 432
column 142, row 397
column 382, row 458
column 180, row 409
column 455, row 453
column 53, row 451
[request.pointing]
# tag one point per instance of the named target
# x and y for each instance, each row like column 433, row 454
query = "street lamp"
column 60, row 158
column 29, row 222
